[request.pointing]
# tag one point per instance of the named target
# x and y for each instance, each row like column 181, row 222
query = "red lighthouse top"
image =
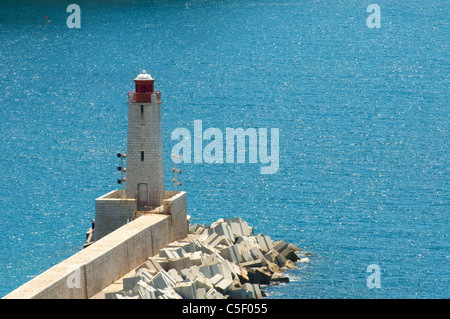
column 144, row 89
column 144, row 83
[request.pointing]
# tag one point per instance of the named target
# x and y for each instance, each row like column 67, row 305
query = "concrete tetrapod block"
column 238, row 226
column 162, row 280
column 272, row 267
column 243, row 275
column 144, row 274
column 168, row 293
column 203, row 282
column 204, row 247
column 256, row 253
column 152, row 265
column 201, row 292
column 190, row 273
column 251, row 263
column 232, row 254
column 179, row 263
column 259, row 276
column 196, row 258
column 194, row 228
column 215, row 239
column 210, row 270
column 174, row 275
column 213, row 294
column 145, row 291
column 255, row 289
column 294, row 248
column 221, row 284
column 214, row 258
column 246, row 256
column 162, row 262
column 279, row 246
column 278, row 277
column 247, row 242
column 226, row 270
column 202, row 231
column 172, row 253
column 277, row 258
column 130, row 282
column 240, row 293
column 188, row 247
column 224, row 230
column 265, row 243
column 187, row 290
column 290, row 254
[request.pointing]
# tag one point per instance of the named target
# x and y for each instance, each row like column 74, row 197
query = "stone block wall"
column 115, row 254
column 178, row 212
column 89, row 271
column 112, row 212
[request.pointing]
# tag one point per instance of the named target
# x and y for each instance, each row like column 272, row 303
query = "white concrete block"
column 223, row 229
column 210, row 270
column 279, row 246
column 144, row 274
column 239, row 226
column 214, row 258
column 173, row 273
column 213, row 294
column 221, row 284
column 130, row 282
column 188, row 247
column 226, row 270
column 277, row 258
column 201, row 292
column 171, row 253
column 190, row 273
column 145, row 291
column 232, row 254
column 246, row 256
column 217, row 222
column 255, row 289
column 256, row 253
column 265, row 243
column 152, row 265
column 179, row 263
column 187, row 290
column 247, row 241
column 215, row 239
column 162, row 280
column 168, row 293
column 204, row 247
column 240, row 293
column 196, row 258
column 203, row 282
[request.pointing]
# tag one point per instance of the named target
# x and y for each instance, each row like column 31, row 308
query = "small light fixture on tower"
column 122, row 170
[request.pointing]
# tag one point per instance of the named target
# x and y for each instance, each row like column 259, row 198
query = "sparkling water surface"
column 363, row 118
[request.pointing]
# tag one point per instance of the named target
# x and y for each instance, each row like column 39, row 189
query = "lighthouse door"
column 142, row 196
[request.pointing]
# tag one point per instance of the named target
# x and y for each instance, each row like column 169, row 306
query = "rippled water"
column 363, row 118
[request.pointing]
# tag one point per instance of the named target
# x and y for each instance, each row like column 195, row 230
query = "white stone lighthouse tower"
column 145, row 163
column 144, row 184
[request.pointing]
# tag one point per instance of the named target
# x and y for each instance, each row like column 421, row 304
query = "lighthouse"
column 145, row 163
column 144, row 191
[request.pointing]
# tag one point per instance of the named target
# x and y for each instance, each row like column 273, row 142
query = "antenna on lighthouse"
column 175, row 170
column 122, row 170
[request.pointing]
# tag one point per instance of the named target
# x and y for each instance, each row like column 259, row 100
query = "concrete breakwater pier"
column 225, row 260
column 142, row 244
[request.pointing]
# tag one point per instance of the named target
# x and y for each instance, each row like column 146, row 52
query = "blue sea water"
column 363, row 118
